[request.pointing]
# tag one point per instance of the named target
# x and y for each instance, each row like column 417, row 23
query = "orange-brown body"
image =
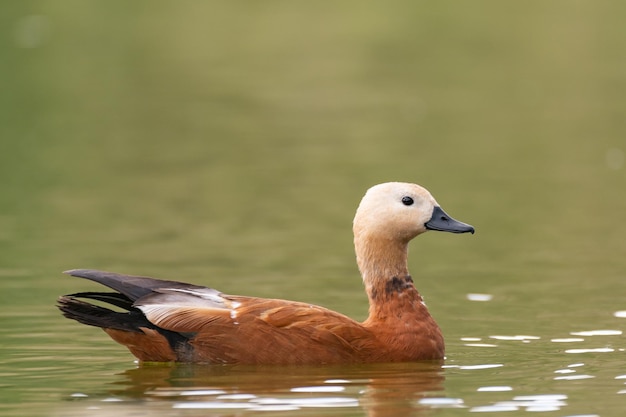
column 173, row 321
column 268, row 331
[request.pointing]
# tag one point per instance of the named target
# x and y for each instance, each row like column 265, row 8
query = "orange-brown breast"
column 402, row 323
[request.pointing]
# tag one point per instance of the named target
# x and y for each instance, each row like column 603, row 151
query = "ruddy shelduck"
column 167, row 321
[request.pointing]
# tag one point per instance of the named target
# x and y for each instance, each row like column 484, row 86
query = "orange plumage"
column 167, row 321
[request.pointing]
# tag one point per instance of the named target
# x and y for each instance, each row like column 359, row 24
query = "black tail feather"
column 130, row 289
column 112, row 298
column 133, row 287
column 97, row 316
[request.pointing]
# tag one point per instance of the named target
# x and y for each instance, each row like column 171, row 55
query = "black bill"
column 442, row 222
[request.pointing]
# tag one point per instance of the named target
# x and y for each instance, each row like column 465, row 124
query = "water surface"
column 228, row 145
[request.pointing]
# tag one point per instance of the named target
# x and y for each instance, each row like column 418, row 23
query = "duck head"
column 397, row 211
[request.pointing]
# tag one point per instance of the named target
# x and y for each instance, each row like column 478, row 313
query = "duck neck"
column 383, row 266
column 397, row 313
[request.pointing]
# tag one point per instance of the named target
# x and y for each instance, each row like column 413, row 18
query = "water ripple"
column 323, row 388
column 495, row 389
column 592, row 350
column 516, row 337
column 536, row 403
column 598, row 333
column 479, row 297
column 573, row 377
column 442, row 402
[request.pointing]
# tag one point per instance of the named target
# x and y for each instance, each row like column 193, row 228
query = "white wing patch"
column 180, row 319
column 179, row 297
column 202, row 293
column 185, row 310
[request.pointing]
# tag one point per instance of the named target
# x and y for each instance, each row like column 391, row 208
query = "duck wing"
column 238, row 329
column 172, row 320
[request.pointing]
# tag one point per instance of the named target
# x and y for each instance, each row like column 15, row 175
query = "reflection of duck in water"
column 173, row 321
column 376, row 389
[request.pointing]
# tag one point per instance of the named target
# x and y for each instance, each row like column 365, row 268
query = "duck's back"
column 269, row 331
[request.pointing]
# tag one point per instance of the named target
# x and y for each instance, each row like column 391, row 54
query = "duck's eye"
column 407, row 201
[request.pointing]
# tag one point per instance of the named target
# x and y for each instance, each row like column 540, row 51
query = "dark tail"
column 97, row 316
column 130, row 319
column 130, row 288
column 133, row 287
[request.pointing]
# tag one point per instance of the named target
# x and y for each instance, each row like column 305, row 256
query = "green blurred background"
column 228, row 143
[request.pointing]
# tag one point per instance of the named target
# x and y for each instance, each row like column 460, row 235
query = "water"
column 228, row 145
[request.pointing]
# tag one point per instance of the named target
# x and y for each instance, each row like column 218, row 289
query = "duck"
column 171, row 321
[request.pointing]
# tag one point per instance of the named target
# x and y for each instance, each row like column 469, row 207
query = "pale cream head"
column 394, row 211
